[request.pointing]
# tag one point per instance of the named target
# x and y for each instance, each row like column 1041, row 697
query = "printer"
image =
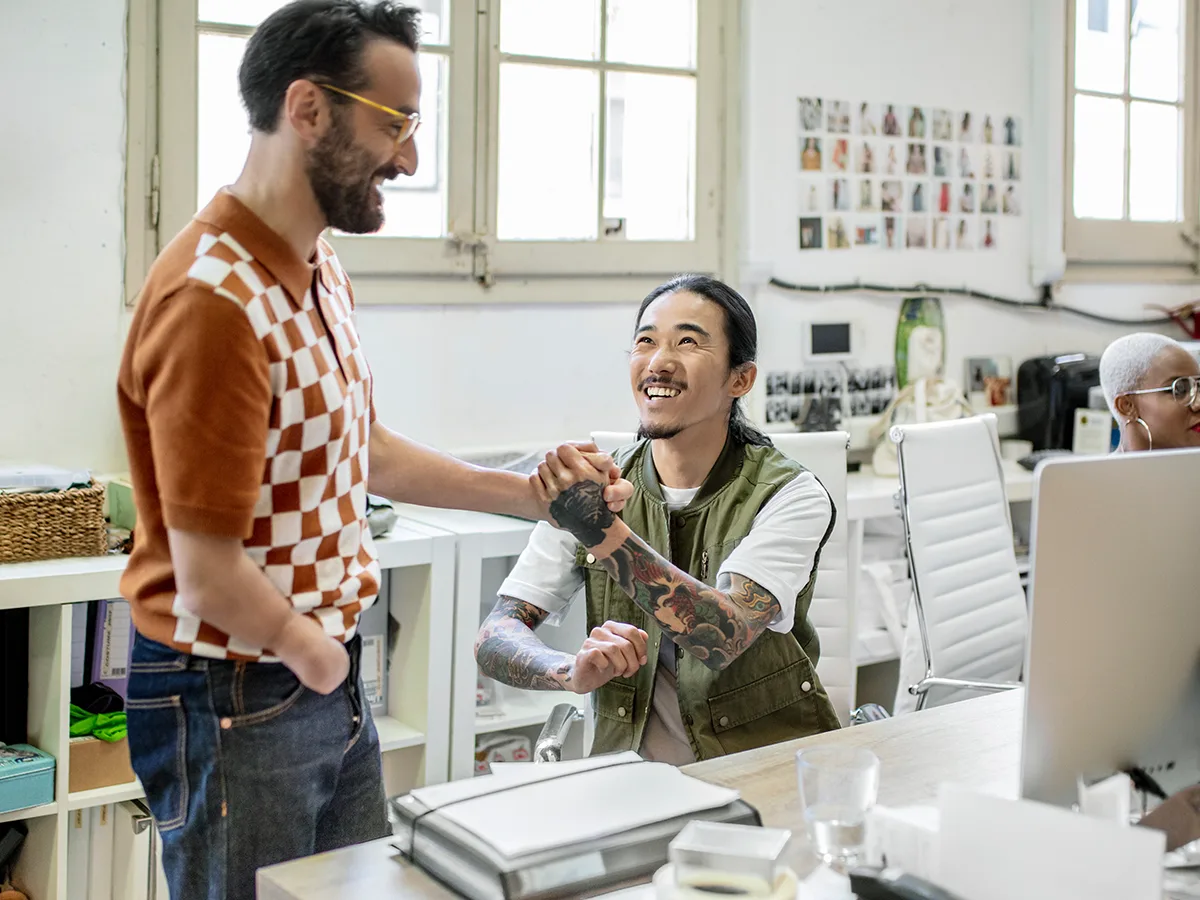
column 1049, row 390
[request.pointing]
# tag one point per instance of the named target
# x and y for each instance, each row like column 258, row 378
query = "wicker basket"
column 53, row 524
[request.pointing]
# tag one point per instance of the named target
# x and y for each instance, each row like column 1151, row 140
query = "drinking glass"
column 838, row 785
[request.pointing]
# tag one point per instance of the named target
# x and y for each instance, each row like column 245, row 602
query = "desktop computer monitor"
column 1113, row 666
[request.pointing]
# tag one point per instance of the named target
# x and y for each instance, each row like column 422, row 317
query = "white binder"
column 100, row 865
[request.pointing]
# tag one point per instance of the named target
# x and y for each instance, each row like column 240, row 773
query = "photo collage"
column 892, row 177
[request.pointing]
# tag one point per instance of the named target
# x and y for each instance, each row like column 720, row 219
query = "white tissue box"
column 905, row 838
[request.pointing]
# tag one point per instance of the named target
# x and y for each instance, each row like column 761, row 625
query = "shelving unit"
column 419, row 562
column 487, row 547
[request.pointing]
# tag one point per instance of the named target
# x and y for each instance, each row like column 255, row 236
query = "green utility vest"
column 771, row 692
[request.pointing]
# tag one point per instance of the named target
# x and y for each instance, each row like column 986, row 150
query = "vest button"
column 688, row 718
column 591, row 558
column 724, row 721
column 621, row 711
column 806, row 687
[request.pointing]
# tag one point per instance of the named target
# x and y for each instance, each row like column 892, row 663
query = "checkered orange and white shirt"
column 277, row 347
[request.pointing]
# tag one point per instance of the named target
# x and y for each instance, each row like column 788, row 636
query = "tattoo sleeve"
column 581, row 510
column 508, row 650
column 716, row 625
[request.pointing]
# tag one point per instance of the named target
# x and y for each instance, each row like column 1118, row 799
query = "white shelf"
column 56, row 581
column 395, row 735
column 117, row 793
column 870, row 496
column 520, row 710
column 29, row 812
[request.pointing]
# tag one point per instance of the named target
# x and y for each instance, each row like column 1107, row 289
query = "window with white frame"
column 568, row 138
column 1131, row 121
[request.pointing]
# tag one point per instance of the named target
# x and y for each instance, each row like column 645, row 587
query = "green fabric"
column 108, row 727
column 760, row 698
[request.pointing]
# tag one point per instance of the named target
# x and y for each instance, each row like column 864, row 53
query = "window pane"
column 1100, row 52
column 651, row 149
column 416, row 206
column 1154, row 50
column 567, row 29
column 652, row 32
column 435, row 15
column 547, row 173
column 1099, row 158
column 1154, row 163
column 223, row 134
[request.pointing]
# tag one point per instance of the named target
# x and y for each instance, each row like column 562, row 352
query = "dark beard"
column 341, row 173
column 662, row 433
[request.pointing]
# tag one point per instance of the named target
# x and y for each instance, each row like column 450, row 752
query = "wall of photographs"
column 882, row 176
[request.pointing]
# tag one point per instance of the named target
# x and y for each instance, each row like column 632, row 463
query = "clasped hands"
column 581, row 489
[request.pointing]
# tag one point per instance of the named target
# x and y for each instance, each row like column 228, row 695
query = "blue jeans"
column 244, row 767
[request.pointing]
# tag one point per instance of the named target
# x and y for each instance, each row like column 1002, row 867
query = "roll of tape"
column 712, row 884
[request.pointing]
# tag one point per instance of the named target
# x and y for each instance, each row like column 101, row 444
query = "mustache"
column 661, row 382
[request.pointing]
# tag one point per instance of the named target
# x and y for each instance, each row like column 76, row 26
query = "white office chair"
column 832, row 612
column 970, row 616
column 823, row 454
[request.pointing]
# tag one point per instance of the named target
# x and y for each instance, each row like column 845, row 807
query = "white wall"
column 961, row 54
column 61, row 200
column 479, row 377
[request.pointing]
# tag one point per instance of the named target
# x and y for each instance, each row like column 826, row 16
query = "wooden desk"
column 975, row 743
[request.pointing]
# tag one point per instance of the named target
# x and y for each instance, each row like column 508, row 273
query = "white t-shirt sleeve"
column 782, row 545
column 545, row 574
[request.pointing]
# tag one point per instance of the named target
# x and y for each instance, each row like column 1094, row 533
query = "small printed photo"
column 917, row 163
column 990, row 201
column 1012, row 131
column 810, row 197
column 966, row 199
column 810, row 114
column 866, row 233
column 989, row 163
column 890, row 125
column 893, row 153
column 943, row 125
column 810, row 233
column 966, row 162
column 916, row 232
column 916, row 123
column 865, row 161
column 891, row 232
column 941, row 233
column 839, row 237
column 839, row 194
column 838, row 112
column 868, row 119
column 988, row 239
column 918, row 200
column 943, row 161
column 1012, row 165
column 988, row 380
column 866, row 195
column 1010, row 203
column 839, row 155
column 943, row 197
column 810, row 155
column 966, row 128
column 777, row 383
column 964, row 233
column 891, row 196
column 988, row 130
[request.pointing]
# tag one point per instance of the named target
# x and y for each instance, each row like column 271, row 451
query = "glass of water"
column 838, row 785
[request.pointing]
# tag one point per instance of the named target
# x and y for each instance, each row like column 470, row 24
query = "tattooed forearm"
column 716, row 625
column 508, row 650
column 581, row 510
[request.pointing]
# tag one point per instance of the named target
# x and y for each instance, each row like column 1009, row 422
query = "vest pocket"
column 614, row 701
column 735, row 709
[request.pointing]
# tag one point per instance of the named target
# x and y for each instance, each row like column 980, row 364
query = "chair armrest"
column 554, row 733
column 987, row 687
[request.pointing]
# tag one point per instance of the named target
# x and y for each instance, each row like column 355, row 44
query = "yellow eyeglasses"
column 408, row 122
